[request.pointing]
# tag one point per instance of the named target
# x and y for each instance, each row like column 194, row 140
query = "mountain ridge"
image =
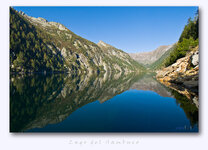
column 148, row 58
column 43, row 44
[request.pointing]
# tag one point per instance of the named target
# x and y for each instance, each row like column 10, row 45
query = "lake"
column 98, row 103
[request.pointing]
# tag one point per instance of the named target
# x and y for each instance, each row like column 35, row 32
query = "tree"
column 19, row 61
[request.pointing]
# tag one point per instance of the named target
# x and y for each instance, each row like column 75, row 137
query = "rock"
column 68, row 35
column 180, row 76
column 62, row 27
column 63, row 52
column 101, row 43
column 183, row 67
column 167, row 79
column 76, row 44
column 165, row 72
column 22, row 13
column 195, row 59
column 42, row 19
column 196, row 102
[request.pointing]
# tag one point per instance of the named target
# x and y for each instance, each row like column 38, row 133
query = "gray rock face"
column 63, row 52
column 43, row 22
column 42, row 19
column 22, row 13
column 58, row 25
column 195, row 58
column 147, row 58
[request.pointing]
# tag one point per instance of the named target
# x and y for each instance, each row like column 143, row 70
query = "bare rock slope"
column 147, row 58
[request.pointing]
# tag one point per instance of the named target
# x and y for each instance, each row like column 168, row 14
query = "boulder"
column 63, row 52
column 195, row 59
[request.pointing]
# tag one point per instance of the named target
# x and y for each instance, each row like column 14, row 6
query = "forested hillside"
column 28, row 52
column 187, row 41
column 37, row 45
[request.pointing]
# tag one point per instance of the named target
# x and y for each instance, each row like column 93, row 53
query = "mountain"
column 148, row 58
column 119, row 58
column 161, row 61
column 37, row 45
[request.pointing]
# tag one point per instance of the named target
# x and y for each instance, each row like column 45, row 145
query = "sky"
column 132, row 29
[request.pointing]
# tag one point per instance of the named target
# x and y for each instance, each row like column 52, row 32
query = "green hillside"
column 28, row 51
column 37, row 45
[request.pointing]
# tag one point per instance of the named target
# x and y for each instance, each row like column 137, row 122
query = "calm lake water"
column 104, row 103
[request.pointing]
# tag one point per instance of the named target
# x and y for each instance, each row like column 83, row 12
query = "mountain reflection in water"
column 43, row 103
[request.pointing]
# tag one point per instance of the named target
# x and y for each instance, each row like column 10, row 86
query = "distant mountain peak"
column 148, row 58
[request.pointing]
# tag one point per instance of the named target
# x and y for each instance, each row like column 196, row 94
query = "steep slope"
column 28, row 51
column 189, row 39
column 147, row 58
column 160, row 62
column 50, row 46
column 119, row 58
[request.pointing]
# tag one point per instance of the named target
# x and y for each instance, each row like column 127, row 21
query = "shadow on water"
column 39, row 100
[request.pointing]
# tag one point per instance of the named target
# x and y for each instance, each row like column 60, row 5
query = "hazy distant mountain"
column 147, row 58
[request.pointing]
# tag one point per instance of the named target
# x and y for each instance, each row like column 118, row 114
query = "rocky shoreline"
column 183, row 75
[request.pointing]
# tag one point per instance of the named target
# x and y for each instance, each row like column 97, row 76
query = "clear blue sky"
column 132, row 29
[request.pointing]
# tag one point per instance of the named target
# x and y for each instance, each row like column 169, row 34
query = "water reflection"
column 39, row 100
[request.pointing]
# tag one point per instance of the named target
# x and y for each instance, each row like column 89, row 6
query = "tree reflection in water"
column 38, row 100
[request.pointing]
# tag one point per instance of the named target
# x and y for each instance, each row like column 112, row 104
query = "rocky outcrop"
column 183, row 75
column 195, row 58
column 43, row 22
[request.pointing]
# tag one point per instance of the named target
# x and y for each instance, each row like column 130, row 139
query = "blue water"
column 130, row 111
column 130, row 103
